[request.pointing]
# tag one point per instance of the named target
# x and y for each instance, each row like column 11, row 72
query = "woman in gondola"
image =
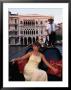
column 31, row 71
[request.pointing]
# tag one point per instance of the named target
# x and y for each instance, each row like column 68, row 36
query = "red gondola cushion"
column 58, row 65
column 21, row 65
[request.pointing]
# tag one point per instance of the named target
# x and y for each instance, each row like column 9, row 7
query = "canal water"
column 15, row 51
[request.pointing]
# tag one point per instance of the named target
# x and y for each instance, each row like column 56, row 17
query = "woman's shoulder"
column 41, row 54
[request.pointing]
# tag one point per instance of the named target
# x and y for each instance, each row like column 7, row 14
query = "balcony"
column 13, row 35
column 13, row 24
column 13, row 30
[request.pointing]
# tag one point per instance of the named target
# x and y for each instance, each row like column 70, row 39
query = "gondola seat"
column 54, row 58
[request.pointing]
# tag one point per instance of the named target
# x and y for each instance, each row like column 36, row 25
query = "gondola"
column 53, row 56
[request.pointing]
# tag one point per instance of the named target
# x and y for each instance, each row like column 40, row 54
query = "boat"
column 52, row 54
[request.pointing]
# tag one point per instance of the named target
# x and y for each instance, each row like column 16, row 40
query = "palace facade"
column 26, row 29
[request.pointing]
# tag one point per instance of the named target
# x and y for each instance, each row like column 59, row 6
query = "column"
column 27, row 40
column 23, row 40
column 19, row 40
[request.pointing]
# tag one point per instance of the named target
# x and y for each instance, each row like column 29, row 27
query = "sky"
column 55, row 12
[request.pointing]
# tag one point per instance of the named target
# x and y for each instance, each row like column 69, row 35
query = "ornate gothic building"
column 25, row 29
